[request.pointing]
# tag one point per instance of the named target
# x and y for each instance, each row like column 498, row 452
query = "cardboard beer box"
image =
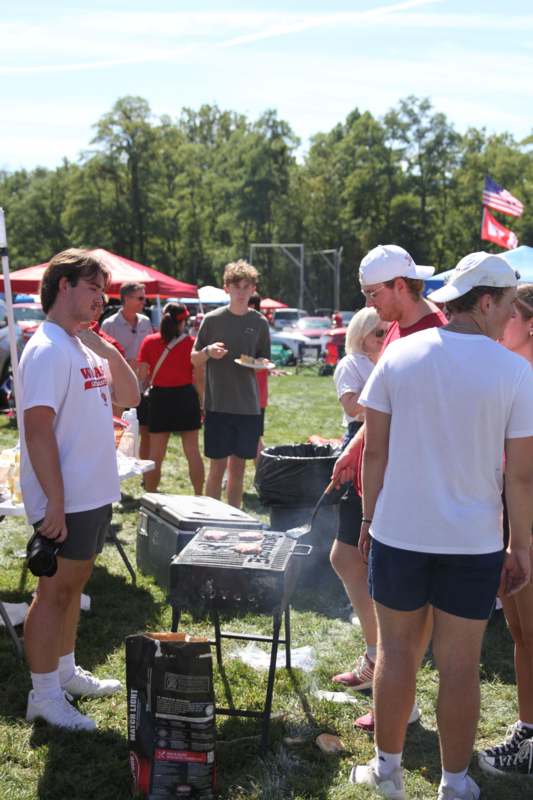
column 171, row 716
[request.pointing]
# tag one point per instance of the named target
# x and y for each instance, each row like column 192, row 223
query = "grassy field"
column 38, row 762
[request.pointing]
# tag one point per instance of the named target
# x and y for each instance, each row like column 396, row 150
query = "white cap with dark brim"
column 388, row 261
column 476, row 269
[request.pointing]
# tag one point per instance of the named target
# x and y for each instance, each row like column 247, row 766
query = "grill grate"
column 276, row 550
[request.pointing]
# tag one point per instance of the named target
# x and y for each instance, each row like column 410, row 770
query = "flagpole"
column 9, row 312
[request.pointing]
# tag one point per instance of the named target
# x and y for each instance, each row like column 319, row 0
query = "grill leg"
column 218, row 643
column 270, row 685
column 11, row 630
column 113, row 538
column 288, row 636
column 176, row 614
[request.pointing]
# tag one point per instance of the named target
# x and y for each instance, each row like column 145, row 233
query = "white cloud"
column 115, row 39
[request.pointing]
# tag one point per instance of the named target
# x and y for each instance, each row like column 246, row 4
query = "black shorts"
column 142, row 410
column 87, row 532
column 173, row 409
column 262, row 430
column 231, row 434
column 406, row 580
column 350, row 504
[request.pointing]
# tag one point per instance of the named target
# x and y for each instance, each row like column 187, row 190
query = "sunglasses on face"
column 371, row 295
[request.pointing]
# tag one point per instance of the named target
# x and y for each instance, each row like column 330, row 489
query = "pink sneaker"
column 360, row 677
column 366, row 722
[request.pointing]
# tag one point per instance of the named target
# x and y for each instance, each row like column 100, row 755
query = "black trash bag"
column 295, row 474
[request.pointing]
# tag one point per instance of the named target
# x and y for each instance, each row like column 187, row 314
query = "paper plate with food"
column 254, row 363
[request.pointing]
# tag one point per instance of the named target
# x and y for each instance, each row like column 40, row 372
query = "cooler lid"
column 190, row 513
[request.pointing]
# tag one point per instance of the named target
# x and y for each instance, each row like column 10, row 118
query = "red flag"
column 494, row 231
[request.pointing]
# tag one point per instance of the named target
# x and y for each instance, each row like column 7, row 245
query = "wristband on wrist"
column 365, row 519
column 206, row 351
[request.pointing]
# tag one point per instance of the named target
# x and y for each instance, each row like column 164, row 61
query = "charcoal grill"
column 211, row 576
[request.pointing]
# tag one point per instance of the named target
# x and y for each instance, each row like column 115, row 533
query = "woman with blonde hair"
column 364, row 339
column 514, row 756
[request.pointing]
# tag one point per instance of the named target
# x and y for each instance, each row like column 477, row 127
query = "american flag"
column 498, row 198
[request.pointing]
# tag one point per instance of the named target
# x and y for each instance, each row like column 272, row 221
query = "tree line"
column 188, row 195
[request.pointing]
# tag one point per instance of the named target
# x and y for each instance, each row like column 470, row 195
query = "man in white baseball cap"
column 442, row 408
column 393, row 284
column 476, row 269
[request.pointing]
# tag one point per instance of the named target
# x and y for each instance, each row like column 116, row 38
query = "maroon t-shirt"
column 435, row 319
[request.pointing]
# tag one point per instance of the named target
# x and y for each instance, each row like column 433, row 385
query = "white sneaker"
column 471, row 792
column 59, row 712
column 391, row 787
column 84, row 684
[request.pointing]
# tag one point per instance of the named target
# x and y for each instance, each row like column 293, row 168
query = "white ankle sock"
column 528, row 725
column 455, row 780
column 386, row 762
column 372, row 653
column 67, row 666
column 46, row 685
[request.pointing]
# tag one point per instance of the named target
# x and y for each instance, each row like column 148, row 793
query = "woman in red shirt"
column 174, row 406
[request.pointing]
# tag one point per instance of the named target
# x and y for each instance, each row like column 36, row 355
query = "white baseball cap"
column 388, row 261
column 476, row 269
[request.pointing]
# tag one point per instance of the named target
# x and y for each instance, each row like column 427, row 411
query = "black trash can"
column 289, row 479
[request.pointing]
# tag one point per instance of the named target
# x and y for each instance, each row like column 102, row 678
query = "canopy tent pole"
column 9, row 310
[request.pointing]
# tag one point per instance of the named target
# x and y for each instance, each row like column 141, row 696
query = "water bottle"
column 129, row 444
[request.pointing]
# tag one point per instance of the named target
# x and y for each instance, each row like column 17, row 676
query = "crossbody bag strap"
column 164, row 354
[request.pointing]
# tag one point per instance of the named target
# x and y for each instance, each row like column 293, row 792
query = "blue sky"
column 64, row 64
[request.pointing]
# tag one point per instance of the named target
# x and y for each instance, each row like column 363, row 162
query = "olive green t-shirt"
column 229, row 387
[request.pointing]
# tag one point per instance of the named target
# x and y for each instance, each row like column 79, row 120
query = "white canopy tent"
column 212, row 294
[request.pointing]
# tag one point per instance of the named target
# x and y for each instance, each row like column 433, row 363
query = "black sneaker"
column 519, row 763
column 514, row 737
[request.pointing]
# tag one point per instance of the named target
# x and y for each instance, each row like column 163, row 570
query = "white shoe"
column 59, row 712
column 471, row 792
column 84, row 684
column 391, row 787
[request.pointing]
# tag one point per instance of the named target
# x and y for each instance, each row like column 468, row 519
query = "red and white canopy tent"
column 156, row 284
column 268, row 304
column 28, row 280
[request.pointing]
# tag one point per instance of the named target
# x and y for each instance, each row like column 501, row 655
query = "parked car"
column 28, row 317
column 285, row 317
column 346, row 317
column 313, row 327
column 5, row 353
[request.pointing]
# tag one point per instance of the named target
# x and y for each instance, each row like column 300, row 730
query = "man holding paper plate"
column 232, row 342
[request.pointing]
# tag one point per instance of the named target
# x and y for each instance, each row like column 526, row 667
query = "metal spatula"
column 303, row 530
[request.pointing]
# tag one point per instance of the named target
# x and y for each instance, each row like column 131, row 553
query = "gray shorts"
column 87, row 531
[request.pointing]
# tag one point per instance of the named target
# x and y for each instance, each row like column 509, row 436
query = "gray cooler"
column 167, row 522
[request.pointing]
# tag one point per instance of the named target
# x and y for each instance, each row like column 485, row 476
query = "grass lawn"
column 38, row 762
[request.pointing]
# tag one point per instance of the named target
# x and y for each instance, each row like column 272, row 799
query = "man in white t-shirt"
column 440, row 405
column 69, row 378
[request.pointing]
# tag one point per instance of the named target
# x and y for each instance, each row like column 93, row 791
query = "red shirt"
column 176, row 369
column 262, row 387
column 435, row 319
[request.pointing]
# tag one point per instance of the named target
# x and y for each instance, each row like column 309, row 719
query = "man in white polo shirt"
column 440, row 405
column 69, row 477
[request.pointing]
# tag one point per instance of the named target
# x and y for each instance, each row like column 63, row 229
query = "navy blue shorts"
column 462, row 585
column 231, row 434
column 350, row 504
